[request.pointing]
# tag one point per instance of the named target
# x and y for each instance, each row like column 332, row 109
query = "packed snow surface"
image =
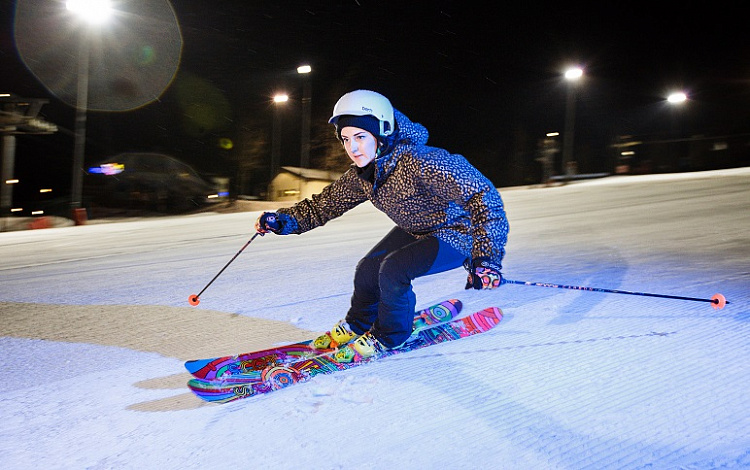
column 96, row 326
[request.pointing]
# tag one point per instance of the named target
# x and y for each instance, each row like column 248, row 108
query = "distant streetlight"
column 572, row 75
column 278, row 100
column 92, row 12
column 677, row 97
column 304, row 159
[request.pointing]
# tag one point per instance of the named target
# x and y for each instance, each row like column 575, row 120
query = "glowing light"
column 146, row 55
column 552, row 134
column 281, row 98
column 46, row 190
column 17, row 209
column 93, row 11
column 108, row 169
column 304, row 69
column 677, row 97
column 574, row 73
column 37, row 213
column 226, row 143
column 14, row 181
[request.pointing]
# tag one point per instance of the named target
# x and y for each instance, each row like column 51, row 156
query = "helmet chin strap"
column 381, row 146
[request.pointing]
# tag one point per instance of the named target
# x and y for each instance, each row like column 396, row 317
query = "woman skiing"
column 446, row 214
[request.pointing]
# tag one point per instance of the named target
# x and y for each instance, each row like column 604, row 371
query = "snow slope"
column 96, row 325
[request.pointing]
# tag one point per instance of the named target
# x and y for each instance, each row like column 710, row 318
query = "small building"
column 294, row 184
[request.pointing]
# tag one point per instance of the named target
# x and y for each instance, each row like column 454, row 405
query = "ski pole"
column 718, row 301
column 194, row 299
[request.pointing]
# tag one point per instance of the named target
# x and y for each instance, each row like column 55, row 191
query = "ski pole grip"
column 272, row 222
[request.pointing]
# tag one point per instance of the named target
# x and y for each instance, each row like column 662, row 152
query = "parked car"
column 150, row 181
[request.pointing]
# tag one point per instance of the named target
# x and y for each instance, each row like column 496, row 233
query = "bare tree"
column 327, row 152
column 252, row 155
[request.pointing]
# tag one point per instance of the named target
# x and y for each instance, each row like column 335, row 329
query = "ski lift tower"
column 17, row 116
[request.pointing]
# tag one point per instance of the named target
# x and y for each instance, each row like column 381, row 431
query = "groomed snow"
column 96, row 326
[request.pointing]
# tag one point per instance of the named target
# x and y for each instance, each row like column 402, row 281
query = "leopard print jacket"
column 424, row 190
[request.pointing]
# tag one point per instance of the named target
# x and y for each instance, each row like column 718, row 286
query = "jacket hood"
column 408, row 132
column 408, row 135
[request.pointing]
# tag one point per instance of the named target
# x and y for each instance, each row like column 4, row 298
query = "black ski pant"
column 383, row 300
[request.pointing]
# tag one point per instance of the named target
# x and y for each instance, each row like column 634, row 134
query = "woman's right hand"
column 267, row 222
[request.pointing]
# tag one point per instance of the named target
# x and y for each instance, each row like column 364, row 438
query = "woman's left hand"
column 484, row 274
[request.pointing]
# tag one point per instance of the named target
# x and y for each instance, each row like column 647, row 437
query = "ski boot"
column 339, row 335
column 361, row 349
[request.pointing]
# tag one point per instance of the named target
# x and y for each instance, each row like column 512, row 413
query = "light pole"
column 278, row 100
column 572, row 75
column 677, row 101
column 93, row 13
column 304, row 159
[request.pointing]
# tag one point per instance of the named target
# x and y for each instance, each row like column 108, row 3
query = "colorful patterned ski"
column 281, row 376
column 246, row 367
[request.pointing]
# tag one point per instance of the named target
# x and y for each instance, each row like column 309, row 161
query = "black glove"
column 268, row 222
column 483, row 274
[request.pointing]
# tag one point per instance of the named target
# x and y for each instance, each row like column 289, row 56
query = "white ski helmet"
column 366, row 103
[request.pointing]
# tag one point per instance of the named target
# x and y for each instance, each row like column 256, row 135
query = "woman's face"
column 360, row 145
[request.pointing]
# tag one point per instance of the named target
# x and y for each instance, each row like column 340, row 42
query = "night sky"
column 483, row 77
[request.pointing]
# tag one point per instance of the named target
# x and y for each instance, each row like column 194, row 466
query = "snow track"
column 96, row 325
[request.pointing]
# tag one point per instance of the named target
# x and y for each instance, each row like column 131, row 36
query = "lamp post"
column 677, row 101
column 79, row 136
column 278, row 100
column 304, row 159
column 92, row 12
column 572, row 75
